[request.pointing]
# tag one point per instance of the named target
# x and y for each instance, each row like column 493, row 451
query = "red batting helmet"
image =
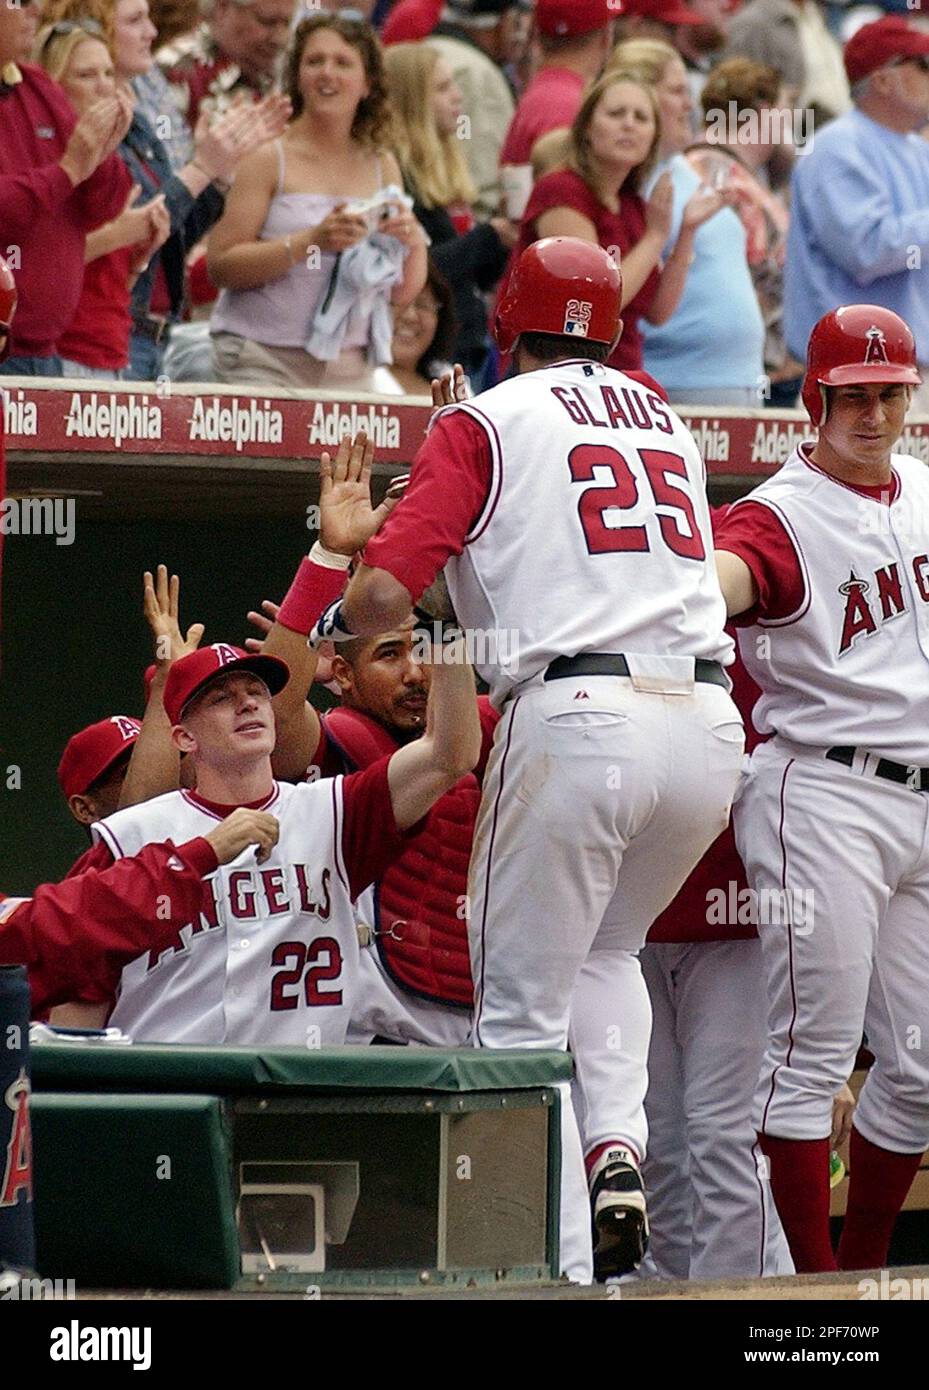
column 561, row 285
column 7, row 306
column 855, row 345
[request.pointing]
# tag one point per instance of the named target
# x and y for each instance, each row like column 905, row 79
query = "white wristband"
column 328, row 558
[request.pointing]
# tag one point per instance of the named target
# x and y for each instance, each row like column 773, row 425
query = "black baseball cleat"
column 620, row 1220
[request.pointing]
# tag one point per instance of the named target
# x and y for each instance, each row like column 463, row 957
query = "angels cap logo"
column 876, row 351
column 129, row 728
column 224, row 654
column 577, row 317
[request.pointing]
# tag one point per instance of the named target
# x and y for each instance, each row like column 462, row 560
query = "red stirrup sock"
column 799, row 1171
column 878, row 1183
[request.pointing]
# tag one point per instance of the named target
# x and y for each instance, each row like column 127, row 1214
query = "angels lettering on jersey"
column 872, row 602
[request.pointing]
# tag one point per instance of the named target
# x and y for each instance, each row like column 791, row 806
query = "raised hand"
column 450, row 388
column 701, row 206
column 160, row 604
column 347, row 518
column 660, row 207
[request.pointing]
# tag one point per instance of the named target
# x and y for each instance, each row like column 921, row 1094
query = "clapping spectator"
column 472, row 256
column 237, row 51
column 194, row 196
column 59, row 178
column 710, row 350
column 611, row 151
column 96, row 343
column 283, row 248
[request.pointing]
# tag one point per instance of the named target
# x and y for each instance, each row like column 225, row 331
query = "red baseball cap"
column 559, row 19
column 188, row 676
column 668, row 11
column 875, row 45
column 92, row 752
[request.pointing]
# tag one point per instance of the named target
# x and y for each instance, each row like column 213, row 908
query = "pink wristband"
column 314, row 587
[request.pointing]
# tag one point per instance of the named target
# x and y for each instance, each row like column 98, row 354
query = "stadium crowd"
column 337, row 197
column 276, row 195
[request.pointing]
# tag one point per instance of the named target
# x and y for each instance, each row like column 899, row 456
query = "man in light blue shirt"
column 859, row 227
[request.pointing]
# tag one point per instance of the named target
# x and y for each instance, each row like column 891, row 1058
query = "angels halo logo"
column 876, row 351
column 577, row 317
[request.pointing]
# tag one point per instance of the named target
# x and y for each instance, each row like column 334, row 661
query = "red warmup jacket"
column 87, row 928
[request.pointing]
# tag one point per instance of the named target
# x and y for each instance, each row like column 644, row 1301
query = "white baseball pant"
column 711, row 1212
column 840, row 863
column 599, row 798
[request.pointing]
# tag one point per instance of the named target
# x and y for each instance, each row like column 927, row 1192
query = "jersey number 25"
column 659, row 468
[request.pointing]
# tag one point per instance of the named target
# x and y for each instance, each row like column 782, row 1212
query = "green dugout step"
column 164, row 1166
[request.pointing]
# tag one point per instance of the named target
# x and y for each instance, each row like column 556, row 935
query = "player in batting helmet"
column 563, row 286
column 856, row 345
column 7, row 308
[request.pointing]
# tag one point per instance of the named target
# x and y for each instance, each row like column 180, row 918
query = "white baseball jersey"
column 274, row 957
column 595, row 536
column 850, row 666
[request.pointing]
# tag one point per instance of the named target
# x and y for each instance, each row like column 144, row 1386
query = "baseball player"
column 137, row 904
column 570, row 506
column 93, row 767
column 826, row 565
column 273, row 958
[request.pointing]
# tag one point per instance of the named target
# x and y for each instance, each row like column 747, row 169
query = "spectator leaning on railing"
column 59, row 178
column 307, row 277
column 96, row 343
column 426, row 108
column 859, row 225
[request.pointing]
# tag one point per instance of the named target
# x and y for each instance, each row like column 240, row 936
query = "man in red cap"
column 93, row 767
column 860, row 197
column 273, row 958
column 825, row 567
column 575, row 37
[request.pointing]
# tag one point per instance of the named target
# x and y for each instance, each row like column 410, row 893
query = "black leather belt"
column 152, row 326
column 615, row 664
column 916, row 778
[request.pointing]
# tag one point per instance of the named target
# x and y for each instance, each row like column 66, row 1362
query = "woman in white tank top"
column 275, row 251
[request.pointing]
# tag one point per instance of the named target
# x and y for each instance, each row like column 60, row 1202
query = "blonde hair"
column 53, row 51
column 432, row 162
column 102, row 12
column 649, row 57
column 579, row 155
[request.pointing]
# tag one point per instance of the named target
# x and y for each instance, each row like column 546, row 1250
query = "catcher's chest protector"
column 421, row 899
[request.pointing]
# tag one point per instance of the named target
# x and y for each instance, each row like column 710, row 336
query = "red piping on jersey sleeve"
column 757, row 535
column 446, row 494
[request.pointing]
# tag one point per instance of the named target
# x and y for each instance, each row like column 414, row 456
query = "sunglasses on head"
column 74, row 26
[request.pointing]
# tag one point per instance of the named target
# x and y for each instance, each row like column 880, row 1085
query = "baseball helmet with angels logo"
column 564, row 286
column 857, row 344
column 7, row 307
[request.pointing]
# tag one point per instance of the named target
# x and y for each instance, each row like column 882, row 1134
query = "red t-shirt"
column 98, row 335
column 625, row 229
column 551, row 100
